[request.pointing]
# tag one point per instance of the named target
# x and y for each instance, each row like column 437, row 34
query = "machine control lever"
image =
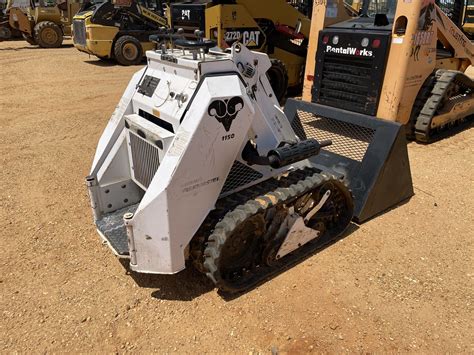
column 288, row 154
column 292, row 153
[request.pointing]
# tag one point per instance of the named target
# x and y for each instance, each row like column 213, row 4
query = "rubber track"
column 286, row 190
column 230, row 202
column 445, row 78
column 421, row 98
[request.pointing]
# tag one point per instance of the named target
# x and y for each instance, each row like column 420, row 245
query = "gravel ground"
column 402, row 282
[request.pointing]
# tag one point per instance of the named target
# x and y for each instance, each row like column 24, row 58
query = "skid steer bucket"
column 370, row 153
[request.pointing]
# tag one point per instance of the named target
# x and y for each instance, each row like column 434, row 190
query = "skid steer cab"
column 401, row 61
column 119, row 29
column 199, row 164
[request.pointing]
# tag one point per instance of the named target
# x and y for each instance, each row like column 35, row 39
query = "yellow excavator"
column 119, row 29
column 44, row 23
column 402, row 61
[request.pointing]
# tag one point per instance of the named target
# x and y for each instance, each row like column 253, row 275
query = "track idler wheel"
column 242, row 249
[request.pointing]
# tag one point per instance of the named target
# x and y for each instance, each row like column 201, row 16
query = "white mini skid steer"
column 198, row 163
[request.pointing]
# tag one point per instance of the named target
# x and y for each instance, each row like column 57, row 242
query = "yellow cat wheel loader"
column 402, row 61
column 44, row 24
column 118, row 29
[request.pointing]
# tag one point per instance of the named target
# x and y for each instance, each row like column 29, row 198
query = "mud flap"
column 370, row 153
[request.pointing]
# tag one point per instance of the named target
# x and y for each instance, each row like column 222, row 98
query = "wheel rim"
column 49, row 36
column 130, row 51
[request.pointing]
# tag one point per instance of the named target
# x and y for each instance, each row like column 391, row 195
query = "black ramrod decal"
column 226, row 110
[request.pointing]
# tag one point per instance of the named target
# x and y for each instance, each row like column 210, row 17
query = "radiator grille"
column 348, row 139
column 145, row 159
column 346, row 83
column 79, row 29
column 240, row 175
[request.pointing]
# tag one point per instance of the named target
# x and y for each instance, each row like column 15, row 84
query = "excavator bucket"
column 370, row 153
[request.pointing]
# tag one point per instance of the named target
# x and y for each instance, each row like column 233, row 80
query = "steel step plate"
column 113, row 231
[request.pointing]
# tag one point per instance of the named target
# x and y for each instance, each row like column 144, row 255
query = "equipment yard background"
column 401, row 282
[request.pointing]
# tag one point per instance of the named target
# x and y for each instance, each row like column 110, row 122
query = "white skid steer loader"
column 198, row 163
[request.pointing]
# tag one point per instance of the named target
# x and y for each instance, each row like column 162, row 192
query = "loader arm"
column 153, row 17
column 19, row 20
column 453, row 38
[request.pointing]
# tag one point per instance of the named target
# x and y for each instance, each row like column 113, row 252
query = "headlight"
column 335, row 40
column 365, row 42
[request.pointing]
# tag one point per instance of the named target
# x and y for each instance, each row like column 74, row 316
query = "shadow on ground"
column 304, row 253
column 190, row 283
column 32, row 47
column 107, row 62
column 184, row 286
column 100, row 62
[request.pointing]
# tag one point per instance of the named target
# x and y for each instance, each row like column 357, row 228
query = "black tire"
column 128, row 51
column 48, row 35
column 29, row 39
column 423, row 95
column 5, row 33
column 278, row 77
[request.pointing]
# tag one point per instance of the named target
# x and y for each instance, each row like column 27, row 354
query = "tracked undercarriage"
column 247, row 238
column 450, row 102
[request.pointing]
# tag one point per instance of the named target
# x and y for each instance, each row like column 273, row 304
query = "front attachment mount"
column 371, row 153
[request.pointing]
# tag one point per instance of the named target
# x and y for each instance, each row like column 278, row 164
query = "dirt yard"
column 402, row 282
